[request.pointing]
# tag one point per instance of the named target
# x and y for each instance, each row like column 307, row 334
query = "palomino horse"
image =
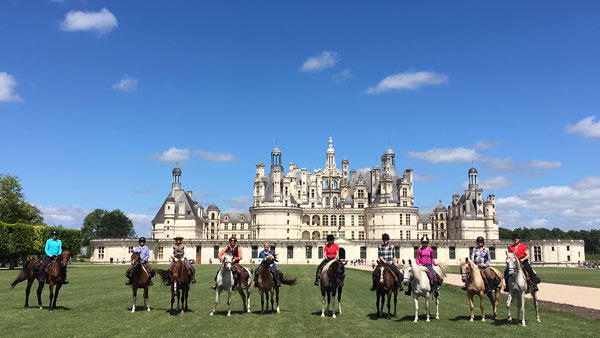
column 180, row 285
column 267, row 285
column 57, row 273
column 471, row 276
column 225, row 282
column 386, row 286
column 332, row 281
column 140, row 278
column 416, row 275
column 517, row 284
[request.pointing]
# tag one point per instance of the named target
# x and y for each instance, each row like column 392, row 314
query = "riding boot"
column 192, row 279
column 464, row 287
column 373, row 287
column 436, row 291
column 408, row 290
column 128, row 275
column 276, row 279
column 168, row 281
column 317, row 278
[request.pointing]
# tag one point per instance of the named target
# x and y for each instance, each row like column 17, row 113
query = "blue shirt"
column 144, row 253
column 53, row 247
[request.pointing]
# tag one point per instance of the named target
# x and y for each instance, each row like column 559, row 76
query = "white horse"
column 416, row 275
column 225, row 282
column 517, row 284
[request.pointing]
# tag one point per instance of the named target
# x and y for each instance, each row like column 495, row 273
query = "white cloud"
column 7, row 86
column 451, row 155
column 70, row 217
column 241, row 203
column 586, row 127
column 495, row 183
column 575, row 206
column 342, row 76
column 425, row 177
column 500, row 165
column 102, row 22
column 127, row 84
column 483, row 145
column 408, row 81
column 214, row 157
column 542, row 164
column 141, row 223
column 326, row 60
column 172, row 155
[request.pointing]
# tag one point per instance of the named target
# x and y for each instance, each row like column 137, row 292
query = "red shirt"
column 520, row 248
column 331, row 251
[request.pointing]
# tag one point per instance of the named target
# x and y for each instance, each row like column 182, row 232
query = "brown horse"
column 471, row 276
column 267, row 285
column 57, row 273
column 139, row 279
column 180, row 285
column 386, row 285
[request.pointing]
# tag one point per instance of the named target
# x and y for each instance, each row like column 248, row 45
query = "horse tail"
column 164, row 275
column 288, row 281
column 443, row 269
column 23, row 275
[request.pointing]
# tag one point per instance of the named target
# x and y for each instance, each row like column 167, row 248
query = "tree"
column 13, row 207
column 104, row 224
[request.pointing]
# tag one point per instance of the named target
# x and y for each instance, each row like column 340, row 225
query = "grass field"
column 96, row 304
column 568, row 276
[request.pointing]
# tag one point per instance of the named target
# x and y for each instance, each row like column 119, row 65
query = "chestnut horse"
column 386, row 286
column 139, row 279
column 267, row 285
column 57, row 273
column 471, row 276
column 180, row 285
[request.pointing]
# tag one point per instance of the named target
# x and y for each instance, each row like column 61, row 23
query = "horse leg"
column 333, row 307
column 340, row 300
column 537, row 310
column 56, row 295
column 277, row 299
column 146, row 299
column 508, row 301
column 389, row 299
column 216, row 301
column 272, row 301
column 427, row 312
column 492, row 297
column 187, row 293
column 262, row 302
column 180, row 295
column 51, row 286
column 134, row 289
column 39, row 294
column 172, row 299
column 395, row 300
column 229, row 302
column 471, row 305
column 481, row 305
column 522, row 308
column 322, row 304
column 248, row 294
column 27, row 290
column 377, row 303
column 416, row 306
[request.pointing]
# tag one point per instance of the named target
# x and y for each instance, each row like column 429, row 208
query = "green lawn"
column 569, row 276
column 96, row 304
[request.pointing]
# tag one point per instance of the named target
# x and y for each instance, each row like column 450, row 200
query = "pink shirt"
column 425, row 256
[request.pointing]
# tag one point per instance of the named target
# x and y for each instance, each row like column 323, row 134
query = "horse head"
column 512, row 263
column 227, row 261
column 135, row 258
column 270, row 259
column 406, row 271
column 465, row 269
column 337, row 271
column 64, row 257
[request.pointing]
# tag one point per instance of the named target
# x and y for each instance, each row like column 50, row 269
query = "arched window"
column 334, row 220
column 335, row 185
column 326, row 202
column 335, row 202
column 325, row 220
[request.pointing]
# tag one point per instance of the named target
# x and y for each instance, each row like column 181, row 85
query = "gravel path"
column 579, row 296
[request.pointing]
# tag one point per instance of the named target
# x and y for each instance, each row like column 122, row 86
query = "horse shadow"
column 58, row 307
column 497, row 321
column 383, row 315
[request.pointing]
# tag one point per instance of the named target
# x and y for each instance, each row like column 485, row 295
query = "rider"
column 387, row 255
column 522, row 253
column 236, row 252
column 261, row 256
column 331, row 251
column 481, row 257
column 144, row 256
column 52, row 249
column 425, row 258
column 179, row 251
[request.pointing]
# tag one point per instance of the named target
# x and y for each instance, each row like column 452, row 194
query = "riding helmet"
column 142, row 239
column 516, row 235
column 480, row 239
column 424, row 239
column 54, row 232
column 385, row 237
column 330, row 237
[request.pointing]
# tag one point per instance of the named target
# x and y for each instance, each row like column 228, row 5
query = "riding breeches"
column 433, row 274
column 186, row 263
column 47, row 260
column 323, row 263
column 532, row 276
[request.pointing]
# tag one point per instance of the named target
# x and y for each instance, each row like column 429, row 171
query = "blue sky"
column 98, row 99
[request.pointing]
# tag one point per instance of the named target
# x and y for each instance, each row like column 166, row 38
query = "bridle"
column 466, row 275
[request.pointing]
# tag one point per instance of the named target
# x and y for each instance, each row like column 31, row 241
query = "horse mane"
column 443, row 270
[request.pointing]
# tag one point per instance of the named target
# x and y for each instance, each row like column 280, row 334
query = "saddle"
column 241, row 273
column 430, row 276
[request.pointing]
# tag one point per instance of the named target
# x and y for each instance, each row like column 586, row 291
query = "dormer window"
column 242, row 218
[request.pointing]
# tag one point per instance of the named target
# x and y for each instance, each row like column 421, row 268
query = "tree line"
column 591, row 237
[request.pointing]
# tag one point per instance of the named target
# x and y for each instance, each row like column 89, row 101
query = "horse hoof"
column 181, row 312
column 389, row 317
column 211, row 314
column 334, row 317
column 437, row 317
column 523, row 325
column 414, row 321
column 322, row 315
column 148, row 310
column 262, row 312
column 471, row 320
column 41, row 308
column 483, row 319
column 538, row 320
column 228, row 314
column 427, row 320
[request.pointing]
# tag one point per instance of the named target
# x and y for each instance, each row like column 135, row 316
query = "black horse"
column 332, row 282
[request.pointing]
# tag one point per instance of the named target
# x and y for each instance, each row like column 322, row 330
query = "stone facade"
column 294, row 211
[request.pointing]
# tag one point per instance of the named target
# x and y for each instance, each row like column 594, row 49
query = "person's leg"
column 169, row 272
column 434, row 280
column 256, row 275
column 276, row 275
column 532, row 276
column 396, row 271
column 319, row 268
column 506, row 280
column 128, row 275
column 190, row 270
column 43, row 271
column 374, row 276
